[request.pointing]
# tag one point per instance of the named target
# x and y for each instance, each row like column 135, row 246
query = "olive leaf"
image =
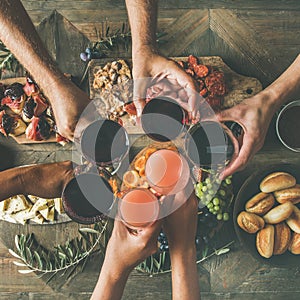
column 64, row 259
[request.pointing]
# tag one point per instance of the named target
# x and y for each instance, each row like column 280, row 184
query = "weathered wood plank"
column 190, row 26
column 242, row 39
column 170, row 4
column 64, row 42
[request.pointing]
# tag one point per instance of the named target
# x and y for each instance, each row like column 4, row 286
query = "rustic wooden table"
column 255, row 38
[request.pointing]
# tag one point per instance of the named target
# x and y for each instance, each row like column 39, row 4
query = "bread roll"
column 265, row 241
column 294, row 220
column 250, row 222
column 277, row 181
column 260, row 204
column 282, row 237
column 291, row 194
column 279, row 213
column 295, row 243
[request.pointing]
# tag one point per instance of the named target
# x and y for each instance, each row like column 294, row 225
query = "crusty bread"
column 277, row 181
column 260, row 204
column 294, row 220
column 279, row 213
column 295, row 243
column 250, row 222
column 290, row 194
column 282, row 237
column 265, row 241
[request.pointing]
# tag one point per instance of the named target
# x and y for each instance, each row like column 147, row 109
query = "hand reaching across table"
column 180, row 228
column 43, row 180
column 149, row 66
column 125, row 250
column 20, row 36
column 255, row 114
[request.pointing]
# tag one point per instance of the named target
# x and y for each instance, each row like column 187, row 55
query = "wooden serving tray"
column 21, row 139
column 239, row 87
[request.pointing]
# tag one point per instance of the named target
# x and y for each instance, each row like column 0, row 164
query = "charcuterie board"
column 22, row 139
column 238, row 87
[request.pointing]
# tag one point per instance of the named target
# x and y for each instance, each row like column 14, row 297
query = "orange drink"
column 138, row 208
column 167, row 171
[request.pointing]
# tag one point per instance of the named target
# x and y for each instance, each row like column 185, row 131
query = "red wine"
column 87, row 198
column 162, row 119
column 207, row 144
column 288, row 126
column 104, row 142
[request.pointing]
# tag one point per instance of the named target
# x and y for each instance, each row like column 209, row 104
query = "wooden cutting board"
column 21, row 139
column 239, row 87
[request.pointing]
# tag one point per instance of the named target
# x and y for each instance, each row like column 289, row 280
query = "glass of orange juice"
column 167, row 171
column 139, row 208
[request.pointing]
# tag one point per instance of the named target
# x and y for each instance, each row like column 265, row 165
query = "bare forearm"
column 143, row 18
column 110, row 285
column 44, row 180
column 19, row 35
column 185, row 284
column 287, row 86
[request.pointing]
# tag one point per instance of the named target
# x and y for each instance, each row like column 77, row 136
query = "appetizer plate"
column 248, row 190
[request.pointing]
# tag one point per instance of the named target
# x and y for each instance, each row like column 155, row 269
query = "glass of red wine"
column 88, row 198
column 163, row 119
column 210, row 144
column 105, row 143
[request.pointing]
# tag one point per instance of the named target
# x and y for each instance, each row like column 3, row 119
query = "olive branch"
column 159, row 263
column 65, row 258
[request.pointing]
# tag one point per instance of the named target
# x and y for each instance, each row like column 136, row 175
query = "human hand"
column 129, row 248
column 254, row 116
column 68, row 103
column 124, row 251
column 43, row 180
column 165, row 76
column 181, row 225
column 46, row 180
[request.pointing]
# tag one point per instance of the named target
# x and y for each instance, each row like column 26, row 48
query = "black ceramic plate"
column 248, row 190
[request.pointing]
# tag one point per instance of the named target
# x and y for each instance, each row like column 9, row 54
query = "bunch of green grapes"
column 215, row 194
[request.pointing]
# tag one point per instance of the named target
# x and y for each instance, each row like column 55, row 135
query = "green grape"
column 228, row 181
column 216, row 201
column 204, row 188
column 211, row 210
column 209, row 186
column 211, row 192
column 199, row 185
column 208, row 197
column 218, row 180
column 222, row 193
column 226, row 216
column 219, row 217
column 217, row 208
column 200, row 193
column 210, row 205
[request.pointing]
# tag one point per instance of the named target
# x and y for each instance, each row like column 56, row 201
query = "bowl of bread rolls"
column 267, row 215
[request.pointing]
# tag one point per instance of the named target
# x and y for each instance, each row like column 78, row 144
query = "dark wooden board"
column 239, row 86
